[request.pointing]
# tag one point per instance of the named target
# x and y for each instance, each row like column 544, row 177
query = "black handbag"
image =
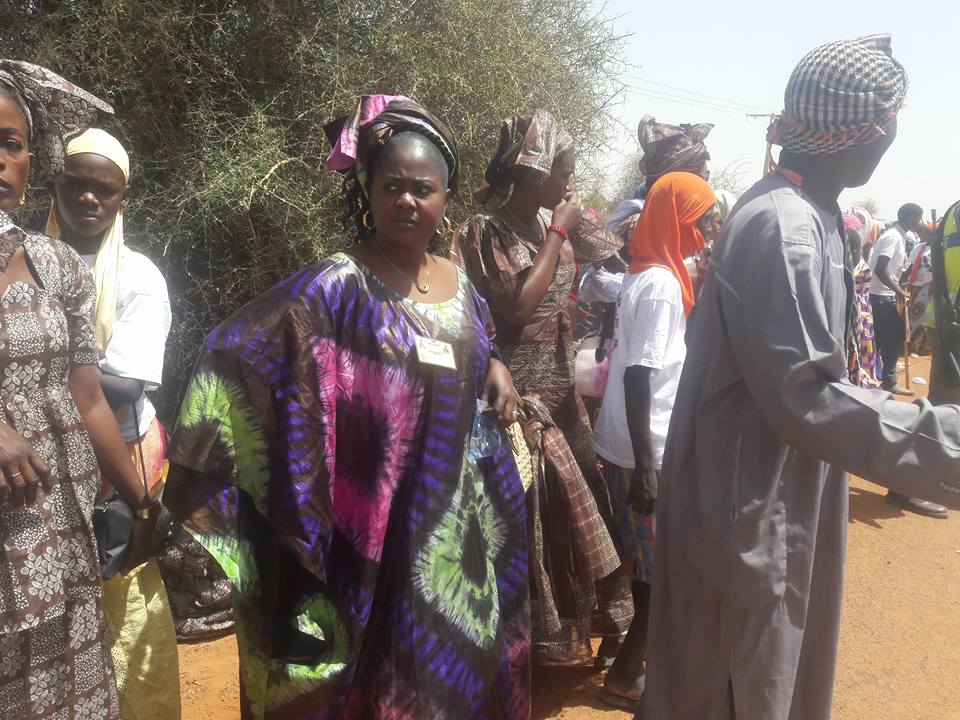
column 113, row 523
column 113, row 527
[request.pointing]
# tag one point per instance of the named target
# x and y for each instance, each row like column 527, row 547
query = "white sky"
column 744, row 52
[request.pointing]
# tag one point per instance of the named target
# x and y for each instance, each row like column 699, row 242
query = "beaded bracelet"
column 559, row 231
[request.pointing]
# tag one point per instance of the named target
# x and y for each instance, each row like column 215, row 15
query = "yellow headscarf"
column 106, row 266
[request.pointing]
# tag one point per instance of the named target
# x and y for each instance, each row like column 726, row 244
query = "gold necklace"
column 423, row 289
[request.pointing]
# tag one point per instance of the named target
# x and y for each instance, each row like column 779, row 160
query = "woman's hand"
column 569, row 213
column 21, row 470
column 141, row 538
column 530, row 292
column 498, row 390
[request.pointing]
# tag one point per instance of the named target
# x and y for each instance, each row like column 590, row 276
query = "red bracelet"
column 559, row 231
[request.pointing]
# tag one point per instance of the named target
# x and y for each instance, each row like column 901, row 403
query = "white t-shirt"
column 139, row 336
column 650, row 329
column 890, row 244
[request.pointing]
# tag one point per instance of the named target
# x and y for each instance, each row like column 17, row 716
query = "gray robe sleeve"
column 773, row 292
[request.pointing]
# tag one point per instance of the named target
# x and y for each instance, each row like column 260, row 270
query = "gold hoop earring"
column 367, row 220
column 23, row 198
column 447, row 226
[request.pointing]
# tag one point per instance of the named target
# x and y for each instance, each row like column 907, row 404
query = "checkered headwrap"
column 841, row 94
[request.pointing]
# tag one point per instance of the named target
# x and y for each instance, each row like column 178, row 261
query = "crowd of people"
column 419, row 474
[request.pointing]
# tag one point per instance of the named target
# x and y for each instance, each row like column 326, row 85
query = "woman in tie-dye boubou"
column 323, row 457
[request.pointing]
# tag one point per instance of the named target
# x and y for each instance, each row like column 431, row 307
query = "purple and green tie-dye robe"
column 379, row 572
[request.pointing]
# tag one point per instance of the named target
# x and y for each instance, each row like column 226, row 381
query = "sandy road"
column 900, row 641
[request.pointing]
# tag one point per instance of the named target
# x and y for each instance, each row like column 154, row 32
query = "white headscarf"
column 106, row 266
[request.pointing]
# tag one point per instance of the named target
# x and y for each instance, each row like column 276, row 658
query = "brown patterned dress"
column 54, row 658
column 497, row 253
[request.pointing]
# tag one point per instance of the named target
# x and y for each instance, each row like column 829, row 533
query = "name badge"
column 435, row 352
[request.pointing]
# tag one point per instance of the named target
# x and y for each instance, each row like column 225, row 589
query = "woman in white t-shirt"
column 131, row 322
column 645, row 366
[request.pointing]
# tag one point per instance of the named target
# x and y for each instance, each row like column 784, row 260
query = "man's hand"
column 643, row 490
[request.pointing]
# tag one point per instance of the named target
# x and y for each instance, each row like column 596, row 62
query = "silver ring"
column 16, row 474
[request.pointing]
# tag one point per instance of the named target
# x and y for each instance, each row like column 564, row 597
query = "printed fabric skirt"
column 59, row 668
column 578, row 586
column 199, row 592
column 613, row 611
column 636, row 533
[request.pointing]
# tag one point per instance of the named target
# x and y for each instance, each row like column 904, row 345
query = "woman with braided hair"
column 323, row 455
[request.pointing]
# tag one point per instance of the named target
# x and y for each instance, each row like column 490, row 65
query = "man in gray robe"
column 752, row 513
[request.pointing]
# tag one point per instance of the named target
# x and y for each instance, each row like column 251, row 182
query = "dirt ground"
column 900, row 641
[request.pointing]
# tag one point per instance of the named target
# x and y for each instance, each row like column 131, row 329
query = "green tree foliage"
column 630, row 177
column 735, row 177
column 222, row 105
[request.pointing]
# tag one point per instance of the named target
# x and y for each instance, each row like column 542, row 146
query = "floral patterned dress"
column 54, row 658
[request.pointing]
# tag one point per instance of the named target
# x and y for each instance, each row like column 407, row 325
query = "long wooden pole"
column 906, row 342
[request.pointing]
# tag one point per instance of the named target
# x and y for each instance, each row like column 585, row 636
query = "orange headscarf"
column 666, row 232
